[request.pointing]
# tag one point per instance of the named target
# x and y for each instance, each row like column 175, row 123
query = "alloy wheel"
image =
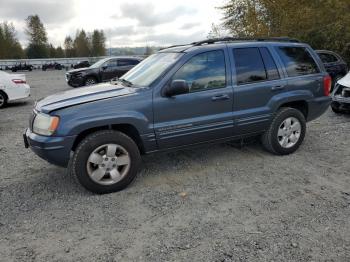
column 289, row 132
column 108, row 164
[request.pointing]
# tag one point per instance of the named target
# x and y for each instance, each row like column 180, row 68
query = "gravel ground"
column 214, row 203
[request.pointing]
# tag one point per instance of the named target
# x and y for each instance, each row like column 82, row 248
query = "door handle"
column 279, row 87
column 220, row 97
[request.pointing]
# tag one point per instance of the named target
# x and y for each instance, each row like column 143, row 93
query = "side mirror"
column 177, row 87
column 104, row 67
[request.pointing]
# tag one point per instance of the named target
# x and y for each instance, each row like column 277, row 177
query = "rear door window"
column 297, row 60
column 327, row 58
column 254, row 65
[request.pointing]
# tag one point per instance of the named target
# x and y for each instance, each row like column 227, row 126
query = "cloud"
column 121, row 31
column 189, row 25
column 146, row 14
column 50, row 11
column 173, row 39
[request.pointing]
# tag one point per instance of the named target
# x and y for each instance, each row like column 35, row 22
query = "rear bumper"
column 318, row 106
column 55, row 150
column 22, row 92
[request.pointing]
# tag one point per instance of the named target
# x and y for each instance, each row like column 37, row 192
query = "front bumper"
column 75, row 81
column 55, row 150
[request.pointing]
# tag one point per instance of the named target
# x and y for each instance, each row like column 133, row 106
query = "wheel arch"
column 125, row 128
column 5, row 94
column 300, row 105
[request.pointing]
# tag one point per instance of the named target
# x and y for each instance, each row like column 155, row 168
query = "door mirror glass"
column 177, row 87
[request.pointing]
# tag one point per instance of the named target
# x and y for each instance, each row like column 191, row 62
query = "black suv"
column 102, row 71
column 334, row 64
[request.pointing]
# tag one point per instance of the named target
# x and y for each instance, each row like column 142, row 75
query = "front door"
column 203, row 114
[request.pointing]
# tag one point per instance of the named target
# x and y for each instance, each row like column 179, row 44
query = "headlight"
column 45, row 124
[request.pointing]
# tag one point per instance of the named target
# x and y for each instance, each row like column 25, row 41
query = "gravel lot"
column 214, row 203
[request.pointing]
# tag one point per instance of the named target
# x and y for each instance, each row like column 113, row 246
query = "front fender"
column 135, row 110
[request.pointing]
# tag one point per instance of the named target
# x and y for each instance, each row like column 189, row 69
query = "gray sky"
column 125, row 22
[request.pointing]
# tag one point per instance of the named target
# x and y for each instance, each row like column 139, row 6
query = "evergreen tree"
column 98, row 43
column 69, row 47
column 52, row 51
column 10, row 48
column 59, row 52
column 37, row 36
column 81, row 44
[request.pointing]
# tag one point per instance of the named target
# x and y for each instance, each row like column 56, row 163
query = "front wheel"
column 286, row 132
column 106, row 161
column 90, row 81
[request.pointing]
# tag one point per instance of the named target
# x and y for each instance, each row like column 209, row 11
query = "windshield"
column 99, row 63
column 150, row 69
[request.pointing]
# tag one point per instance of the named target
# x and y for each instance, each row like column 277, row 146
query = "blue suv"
column 210, row 91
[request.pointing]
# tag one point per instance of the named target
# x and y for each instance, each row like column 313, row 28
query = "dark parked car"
column 102, row 71
column 81, row 64
column 52, row 66
column 334, row 64
column 21, row 67
column 210, row 91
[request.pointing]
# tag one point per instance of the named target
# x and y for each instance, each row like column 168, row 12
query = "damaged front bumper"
column 341, row 97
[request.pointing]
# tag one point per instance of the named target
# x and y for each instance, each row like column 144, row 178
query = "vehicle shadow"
column 19, row 103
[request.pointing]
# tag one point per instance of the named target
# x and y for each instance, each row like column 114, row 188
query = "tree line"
column 324, row 24
column 84, row 44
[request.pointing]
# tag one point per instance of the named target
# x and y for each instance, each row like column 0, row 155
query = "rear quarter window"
column 297, row 61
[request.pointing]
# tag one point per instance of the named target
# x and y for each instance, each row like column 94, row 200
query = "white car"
column 12, row 87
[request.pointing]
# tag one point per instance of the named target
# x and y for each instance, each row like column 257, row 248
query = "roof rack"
column 233, row 39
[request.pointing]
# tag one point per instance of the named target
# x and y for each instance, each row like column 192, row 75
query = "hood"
column 345, row 81
column 74, row 71
column 82, row 95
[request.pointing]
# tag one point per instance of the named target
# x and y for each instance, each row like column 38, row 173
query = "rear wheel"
column 106, row 161
column 3, row 99
column 286, row 132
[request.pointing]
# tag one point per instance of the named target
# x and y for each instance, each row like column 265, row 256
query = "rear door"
column 109, row 70
column 203, row 114
column 257, row 80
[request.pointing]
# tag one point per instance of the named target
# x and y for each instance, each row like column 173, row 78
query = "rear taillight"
column 327, row 84
column 18, row 81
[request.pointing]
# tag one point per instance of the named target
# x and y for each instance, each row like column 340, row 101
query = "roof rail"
column 232, row 39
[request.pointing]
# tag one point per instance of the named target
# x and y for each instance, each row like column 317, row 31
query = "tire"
column 272, row 138
column 3, row 99
column 90, row 81
column 98, row 144
column 335, row 108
